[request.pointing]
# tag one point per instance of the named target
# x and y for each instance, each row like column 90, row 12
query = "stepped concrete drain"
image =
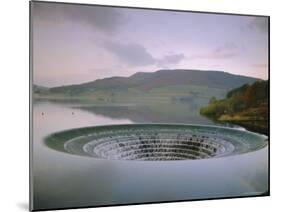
column 155, row 142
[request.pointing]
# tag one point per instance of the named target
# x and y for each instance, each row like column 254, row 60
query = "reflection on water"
column 64, row 180
column 165, row 113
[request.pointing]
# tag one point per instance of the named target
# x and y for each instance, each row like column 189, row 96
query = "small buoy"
column 42, row 114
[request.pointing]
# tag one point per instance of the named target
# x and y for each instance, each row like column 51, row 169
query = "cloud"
column 132, row 54
column 259, row 23
column 260, row 65
column 104, row 18
column 226, row 51
column 171, row 59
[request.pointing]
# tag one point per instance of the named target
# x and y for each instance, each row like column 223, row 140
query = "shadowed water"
column 67, row 180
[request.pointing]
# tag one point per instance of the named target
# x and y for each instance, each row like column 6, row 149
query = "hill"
column 246, row 105
column 147, row 81
column 40, row 90
column 162, row 85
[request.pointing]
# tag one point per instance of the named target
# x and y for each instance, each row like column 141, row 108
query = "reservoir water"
column 64, row 180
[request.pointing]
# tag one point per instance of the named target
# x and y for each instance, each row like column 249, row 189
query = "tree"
column 213, row 100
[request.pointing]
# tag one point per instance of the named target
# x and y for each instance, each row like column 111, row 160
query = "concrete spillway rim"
column 263, row 137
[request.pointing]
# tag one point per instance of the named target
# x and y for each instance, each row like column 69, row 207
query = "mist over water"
column 65, row 180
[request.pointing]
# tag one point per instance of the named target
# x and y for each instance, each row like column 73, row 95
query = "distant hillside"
column 40, row 89
column 161, row 85
column 147, row 81
column 246, row 105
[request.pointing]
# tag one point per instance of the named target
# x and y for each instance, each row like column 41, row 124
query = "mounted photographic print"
column 137, row 105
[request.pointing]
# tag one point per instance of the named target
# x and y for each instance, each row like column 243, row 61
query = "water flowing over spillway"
column 156, row 142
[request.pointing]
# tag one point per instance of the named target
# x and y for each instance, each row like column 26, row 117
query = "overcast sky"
column 78, row 43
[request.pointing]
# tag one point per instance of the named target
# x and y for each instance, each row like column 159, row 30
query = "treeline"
column 246, row 103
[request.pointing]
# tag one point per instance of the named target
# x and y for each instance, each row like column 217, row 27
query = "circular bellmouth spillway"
column 156, row 142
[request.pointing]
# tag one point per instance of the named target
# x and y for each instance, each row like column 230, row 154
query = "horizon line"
column 180, row 69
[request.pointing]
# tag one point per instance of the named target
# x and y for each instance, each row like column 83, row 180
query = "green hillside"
column 246, row 105
column 186, row 86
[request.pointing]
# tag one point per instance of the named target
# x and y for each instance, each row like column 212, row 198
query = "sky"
column 73, row 44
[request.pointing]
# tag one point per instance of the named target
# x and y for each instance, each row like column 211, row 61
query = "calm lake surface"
column 64, row 180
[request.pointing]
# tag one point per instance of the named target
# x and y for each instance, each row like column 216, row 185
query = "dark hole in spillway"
column 155, row 142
